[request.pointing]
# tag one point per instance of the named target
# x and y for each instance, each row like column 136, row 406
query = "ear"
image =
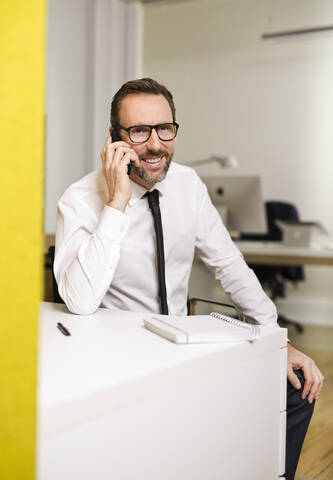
column 110, row 129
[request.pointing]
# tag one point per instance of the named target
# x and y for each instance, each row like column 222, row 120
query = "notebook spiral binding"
column 238, row 323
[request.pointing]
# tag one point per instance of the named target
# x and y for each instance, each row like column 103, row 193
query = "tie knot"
column 153, row 198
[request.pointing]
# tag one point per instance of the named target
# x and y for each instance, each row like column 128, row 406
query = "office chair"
column 191, row 303
column 274, row 277
column 56, row 298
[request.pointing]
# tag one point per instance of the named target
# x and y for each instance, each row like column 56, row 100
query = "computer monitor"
column 240, row 196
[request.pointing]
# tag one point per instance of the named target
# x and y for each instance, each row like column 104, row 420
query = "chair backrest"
column 56, row 297
column 276, row 210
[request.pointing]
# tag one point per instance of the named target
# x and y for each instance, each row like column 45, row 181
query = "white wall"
column 269, row 103
column 93, row 47
column 68, row 98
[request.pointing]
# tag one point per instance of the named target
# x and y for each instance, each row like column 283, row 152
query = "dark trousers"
column 299, row 413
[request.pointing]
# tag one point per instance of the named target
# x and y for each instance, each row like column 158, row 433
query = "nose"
column 154, row 143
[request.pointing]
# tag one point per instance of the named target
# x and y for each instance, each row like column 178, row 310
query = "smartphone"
column 116, row 138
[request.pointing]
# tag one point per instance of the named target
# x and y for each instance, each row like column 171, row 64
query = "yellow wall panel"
column 22, row 60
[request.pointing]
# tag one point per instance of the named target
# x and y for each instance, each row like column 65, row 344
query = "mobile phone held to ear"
column 115, row 137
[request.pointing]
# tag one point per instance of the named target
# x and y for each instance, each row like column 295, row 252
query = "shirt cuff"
column 113, row 224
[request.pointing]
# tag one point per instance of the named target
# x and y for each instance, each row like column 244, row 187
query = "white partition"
column 117, row 401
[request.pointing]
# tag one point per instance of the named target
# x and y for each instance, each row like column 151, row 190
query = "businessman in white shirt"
column 105, row 242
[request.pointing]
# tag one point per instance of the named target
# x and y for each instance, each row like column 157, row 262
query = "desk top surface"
column 105, row 348
column 278, row 248
column 108, row 349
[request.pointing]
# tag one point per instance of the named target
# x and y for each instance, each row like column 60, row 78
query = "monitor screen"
column 238, row 198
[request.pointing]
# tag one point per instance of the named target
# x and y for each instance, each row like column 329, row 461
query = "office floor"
column 316, row 460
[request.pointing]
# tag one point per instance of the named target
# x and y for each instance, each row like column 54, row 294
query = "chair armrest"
column 191, row 303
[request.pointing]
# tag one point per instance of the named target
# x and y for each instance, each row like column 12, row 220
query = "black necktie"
column 154, row 204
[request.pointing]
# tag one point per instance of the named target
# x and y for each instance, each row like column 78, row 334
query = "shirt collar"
column 138, row 191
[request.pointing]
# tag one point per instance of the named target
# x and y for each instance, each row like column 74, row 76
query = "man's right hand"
column 115, row 157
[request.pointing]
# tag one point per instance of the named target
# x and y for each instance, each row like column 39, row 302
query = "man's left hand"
column 313, row 376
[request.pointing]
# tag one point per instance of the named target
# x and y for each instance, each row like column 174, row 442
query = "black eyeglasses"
column 141, row 133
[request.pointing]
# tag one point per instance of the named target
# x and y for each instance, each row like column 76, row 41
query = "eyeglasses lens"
column 139, row 134
column 167, row 131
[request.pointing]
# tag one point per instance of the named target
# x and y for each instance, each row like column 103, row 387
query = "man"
column 105, row 247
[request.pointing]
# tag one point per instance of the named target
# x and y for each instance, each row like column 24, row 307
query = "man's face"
column 155, row 155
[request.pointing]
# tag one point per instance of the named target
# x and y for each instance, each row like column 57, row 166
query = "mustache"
column 153, row 154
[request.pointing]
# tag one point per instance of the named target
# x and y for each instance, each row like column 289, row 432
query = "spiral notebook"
column 213, row 328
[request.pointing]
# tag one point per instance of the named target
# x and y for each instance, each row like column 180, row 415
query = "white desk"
column 118, row 402
column 275, row 253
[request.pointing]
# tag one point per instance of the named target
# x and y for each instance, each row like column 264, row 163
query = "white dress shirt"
column 107, row 258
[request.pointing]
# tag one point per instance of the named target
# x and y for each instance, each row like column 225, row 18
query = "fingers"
column 115, row 145
column 123, row 162
column 313, row 377
column 309, row 378
column 115, row 157
column 313, row 381
column 112, row 153
column 293, row 378
column 321, row 378
column 317, row 384
column 121, row 152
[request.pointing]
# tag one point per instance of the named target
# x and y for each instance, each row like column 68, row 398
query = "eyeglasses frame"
column 152, row 127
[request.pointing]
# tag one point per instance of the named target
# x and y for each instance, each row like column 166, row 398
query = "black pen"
column 63, row 329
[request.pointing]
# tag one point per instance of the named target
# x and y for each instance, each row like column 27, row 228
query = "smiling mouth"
column 153, row 161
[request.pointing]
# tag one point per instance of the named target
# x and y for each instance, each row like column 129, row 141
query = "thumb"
column 293, row 379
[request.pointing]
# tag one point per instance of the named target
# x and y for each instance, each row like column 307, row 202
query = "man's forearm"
column 244, row 289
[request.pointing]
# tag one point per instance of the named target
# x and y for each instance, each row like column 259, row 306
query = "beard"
column 140, row 172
